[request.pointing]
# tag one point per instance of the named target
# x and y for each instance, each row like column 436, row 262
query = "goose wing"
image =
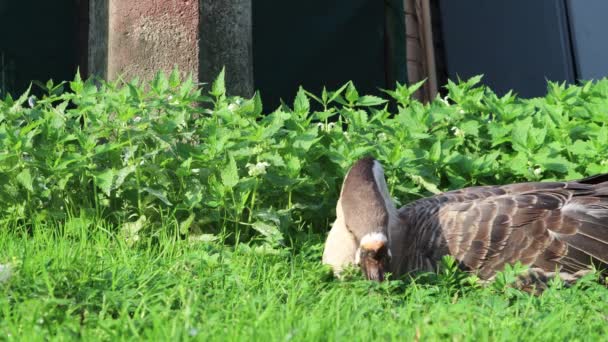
column 548, row 225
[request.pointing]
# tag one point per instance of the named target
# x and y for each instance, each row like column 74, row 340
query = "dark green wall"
column 40, row 38
column 324, row 42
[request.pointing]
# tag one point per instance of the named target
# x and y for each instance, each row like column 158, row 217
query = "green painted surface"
column 38, row 41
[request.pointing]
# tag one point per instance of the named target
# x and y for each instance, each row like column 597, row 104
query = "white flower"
column 461, row 111
column 382, row 136
column 326, row 128
column 137, row 119
column 458, row 132
column 538, row 171
column 257, row 149
column 232, row 107
column 257, row 169
column 5, row 272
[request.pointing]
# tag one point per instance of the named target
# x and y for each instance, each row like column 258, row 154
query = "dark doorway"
column 320, row 43
column 41, row 40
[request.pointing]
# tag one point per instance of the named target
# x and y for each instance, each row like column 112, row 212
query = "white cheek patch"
column 374, row 239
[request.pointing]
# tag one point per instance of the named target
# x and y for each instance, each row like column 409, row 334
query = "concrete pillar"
column 137, row 38
column 98, row 38
column 226, row 40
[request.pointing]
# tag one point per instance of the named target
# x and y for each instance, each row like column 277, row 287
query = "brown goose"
column 549, row 226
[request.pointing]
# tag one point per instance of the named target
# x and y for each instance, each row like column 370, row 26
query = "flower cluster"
column 257, row 169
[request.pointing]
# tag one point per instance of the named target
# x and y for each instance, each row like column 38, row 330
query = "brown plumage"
column 549, row 226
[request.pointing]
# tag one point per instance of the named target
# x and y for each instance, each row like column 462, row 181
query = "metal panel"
column 516, row 44
column 318, row 43
column 589, row 27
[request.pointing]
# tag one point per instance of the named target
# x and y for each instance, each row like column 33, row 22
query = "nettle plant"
column 136, row 155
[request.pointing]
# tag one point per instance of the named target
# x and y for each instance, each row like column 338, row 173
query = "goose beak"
column 373, row 258
column 373, row 269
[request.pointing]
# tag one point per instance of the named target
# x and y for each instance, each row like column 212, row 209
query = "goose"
column 555, row 228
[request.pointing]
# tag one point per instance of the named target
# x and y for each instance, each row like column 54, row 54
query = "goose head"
column 367, row 212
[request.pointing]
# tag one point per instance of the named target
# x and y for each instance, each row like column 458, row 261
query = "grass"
column 80, row 281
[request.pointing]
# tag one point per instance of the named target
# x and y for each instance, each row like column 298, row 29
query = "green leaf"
column 257, row 104
column 351, row 94
column 470, row 128
column 76, row 85
column 230, row 174
column 301, row 104
column 519, row 135
column 218, row 88
column 184, row 226
column 370, row 100
column 414, row 87
column 25, row 179
column 337, row 93
column 435, row 153
column 174, row 78
column 104, row 180
column 158, row 194
column 306, row 140
column 582, row 149
column 426, row 184
column 270, row 232
column 121, row 175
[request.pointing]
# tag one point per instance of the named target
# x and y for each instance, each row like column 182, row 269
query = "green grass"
column 79, row 281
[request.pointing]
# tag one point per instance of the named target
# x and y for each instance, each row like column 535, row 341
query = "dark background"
column 40, row 40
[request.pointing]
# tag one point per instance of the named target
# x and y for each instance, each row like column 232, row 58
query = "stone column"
column 142, row 37
column 226, row 41
column 137, row 38
column 98, row 38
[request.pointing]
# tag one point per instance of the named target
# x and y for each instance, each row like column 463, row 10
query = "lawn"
column 79, row 281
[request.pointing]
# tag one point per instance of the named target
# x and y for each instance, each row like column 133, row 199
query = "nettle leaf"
column 582, row 149
column 370, row 100
column 351, row 93
column 435, row 153
column 121, row 175
column 426, row 184
column 293, row 165
column 519, row 164
column 258, row 108
column 306, row 140
column 519, row 135
column 558, row 164
column 230, row 173
column 301, row 104
column 104, row 180
column 336, row 94
column 184, row 226
column 470, row 127
column 218, row 88
column 25, row 179
column 174, row 78
column 158, row 194
column 270, row 231
column 414, row 87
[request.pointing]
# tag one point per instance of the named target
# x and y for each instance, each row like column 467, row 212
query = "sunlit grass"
column 86, row 283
